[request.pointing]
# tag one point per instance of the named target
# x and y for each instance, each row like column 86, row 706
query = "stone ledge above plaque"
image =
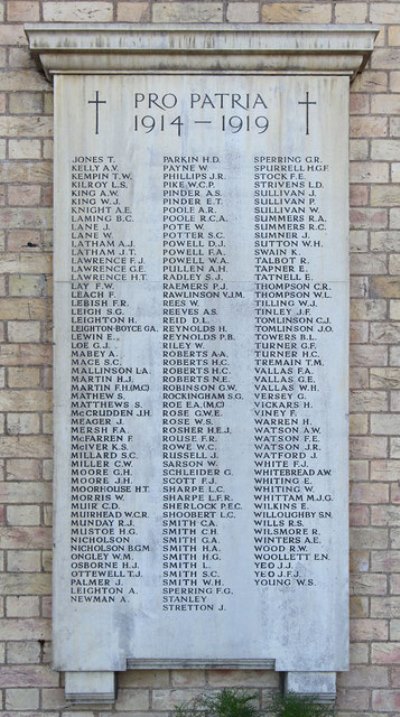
column 99, row 48
column 201, row 349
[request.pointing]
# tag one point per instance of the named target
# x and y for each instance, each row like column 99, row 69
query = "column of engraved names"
column 288, row 318
column 197, row 384
column 104, row 537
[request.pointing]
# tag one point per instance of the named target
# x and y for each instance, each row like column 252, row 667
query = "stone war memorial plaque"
column 201, row 313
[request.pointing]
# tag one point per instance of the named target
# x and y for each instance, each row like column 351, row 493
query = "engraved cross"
column 307, row 103
column 97, row 102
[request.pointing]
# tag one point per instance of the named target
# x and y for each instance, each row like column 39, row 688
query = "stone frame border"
column 122, row 48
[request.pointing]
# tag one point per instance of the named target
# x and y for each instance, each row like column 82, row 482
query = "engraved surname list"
column 201, row 313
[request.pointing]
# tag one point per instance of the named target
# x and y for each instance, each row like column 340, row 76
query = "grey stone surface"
column 203, row 357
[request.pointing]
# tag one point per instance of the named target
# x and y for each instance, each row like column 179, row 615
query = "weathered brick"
column 385, row 515
column 395, row 493
column 133, row 11
column 167, row 699
column 27, row 171
column 24, row 309
column 367, row 630
column 27, row 492
column 241, row 678
column 23, row 10
column 359, row 515
column 383, row 241
column 394, row 264
column 358, row 240
column 21, row 699
column 368, row 309
column 394, row 35
column 369, row 126
column 361, row 355
column 369, row 172
column 188, row 678
column 368, row 263
column 26, row 195
column 384, row 12
column 16, row 400
column 363, row 584
column 383, row 195
column 358, row 424
column 369, row 81
column 369, row 538
column 368, row 447
column 385, row 104
column 26, row 217
column 26, row 103
column 26, row 355
column 385, row 470
column 26, row 584
column 385, row 423
column 21, row 606
column 18, row 377
column 53, row 698
column 385, row 149
column 351, row 699
column 359, row 332
column 347, row 12
column 28, row 676
column 296, row 12
column 367, row 218
column 359, row 286
column 369, row 493
column 77, row 11
column 359, row 653
column 385, row 560
column 22, row 423
column 31, row 446
column 383, row 654
column 139, row 699
column 394, row 127
column 23, row 652
column 21, row 537
column 12, row 34
column 383, row 700
column 23, row 514
column 24, row 561
column 385, row 378
column 152, row 679
column 368, row 401
column 385, row 332
column 359, row 148
column 366, row 675
column 187, row 12
column 385, row 607
column 242, row 12
column 24, row 149
column 385, row 58
column 395, row 81
column 358, row 470
column 394, row 448
column 385, row 287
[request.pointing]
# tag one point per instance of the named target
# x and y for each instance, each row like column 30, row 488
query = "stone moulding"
column 87, row 48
